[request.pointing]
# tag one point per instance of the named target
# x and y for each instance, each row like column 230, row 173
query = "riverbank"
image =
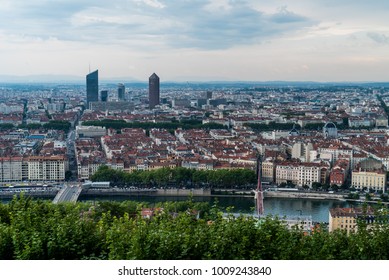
column 282, row 194
column 307, row 195
column 50, row 194
column 182, row 193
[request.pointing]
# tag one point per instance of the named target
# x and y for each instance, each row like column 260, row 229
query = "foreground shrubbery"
column 31, row 229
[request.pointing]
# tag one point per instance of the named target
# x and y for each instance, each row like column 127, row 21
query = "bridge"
column 71, row 193
column 68, row 194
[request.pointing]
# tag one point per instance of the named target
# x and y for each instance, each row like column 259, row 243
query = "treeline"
column 189, row 124
column 272, row 126
column 177, row 177
column 56, row 125
column 383, row 104
column 289, row 126
column 31, row 229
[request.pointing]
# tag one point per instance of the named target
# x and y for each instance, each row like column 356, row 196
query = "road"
column 71, row 154
column 68, row 194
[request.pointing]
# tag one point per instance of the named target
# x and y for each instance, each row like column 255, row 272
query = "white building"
column 11, row 169
column 47, row 168
column 90, row 131
column 330, row 130
column 297, row 173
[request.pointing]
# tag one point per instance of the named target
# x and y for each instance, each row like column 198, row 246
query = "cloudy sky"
column 197, row 40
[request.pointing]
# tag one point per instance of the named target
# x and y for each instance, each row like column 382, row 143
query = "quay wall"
column 308, row 195
column 148, row 192
column 183, row 192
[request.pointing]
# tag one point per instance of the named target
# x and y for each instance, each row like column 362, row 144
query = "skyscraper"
column 104, row 95
column 92, row 87
column 153, row 91
column 121, row 92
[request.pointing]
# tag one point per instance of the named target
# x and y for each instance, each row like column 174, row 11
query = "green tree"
column 316, row 186
column 68, row 175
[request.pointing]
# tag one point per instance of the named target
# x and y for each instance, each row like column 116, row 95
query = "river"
column 318, row 209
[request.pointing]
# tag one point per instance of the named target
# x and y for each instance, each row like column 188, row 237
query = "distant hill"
column 77, row 80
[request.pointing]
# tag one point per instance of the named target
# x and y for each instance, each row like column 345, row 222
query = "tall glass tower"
column 92, row 87
column 121, row 92
column 153, row 91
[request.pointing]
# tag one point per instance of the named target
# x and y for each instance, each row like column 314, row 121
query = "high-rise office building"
column 104, row 95
column 92, row 87
column 153, row 90
column 121, row 92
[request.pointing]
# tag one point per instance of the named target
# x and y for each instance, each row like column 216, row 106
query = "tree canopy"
column 188, row 124
column 35, row 229
column 179, row 176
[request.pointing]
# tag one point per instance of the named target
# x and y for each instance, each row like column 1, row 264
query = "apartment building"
column 11, row 169
column 347, row 218
column 47, row 168
column 370, row 174
column 298, row 173
column 339, row 172
column 268, row 168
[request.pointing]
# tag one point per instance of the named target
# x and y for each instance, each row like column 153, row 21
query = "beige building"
column 268, row 171
column 381, row 121
column 370, row 174
column 86, row 168
column 347, row 218
column 335, row 152
column 299, row 173
column 302, row 151
column 47, row 168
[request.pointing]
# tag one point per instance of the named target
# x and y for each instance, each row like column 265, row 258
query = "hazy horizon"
column 79, row 80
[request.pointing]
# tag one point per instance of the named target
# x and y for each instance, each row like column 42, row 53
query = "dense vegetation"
column 272, row 126
column 34, row 229
column 56, row 125
column 383, row 104
column 288, row 126
column 184, row 124
column 177, row 177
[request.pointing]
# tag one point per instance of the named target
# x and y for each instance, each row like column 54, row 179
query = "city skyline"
column 216, row 40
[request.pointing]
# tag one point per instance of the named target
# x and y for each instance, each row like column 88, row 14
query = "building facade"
column 11, row 169
column 339, row 172
column 33, row 168
column 51, row 168
column 90, row 131
column 268, row 168
column 299, row 174
column 347, row 218
column 369, row 174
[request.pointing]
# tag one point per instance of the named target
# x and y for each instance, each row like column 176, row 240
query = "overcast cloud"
column 201, row 39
